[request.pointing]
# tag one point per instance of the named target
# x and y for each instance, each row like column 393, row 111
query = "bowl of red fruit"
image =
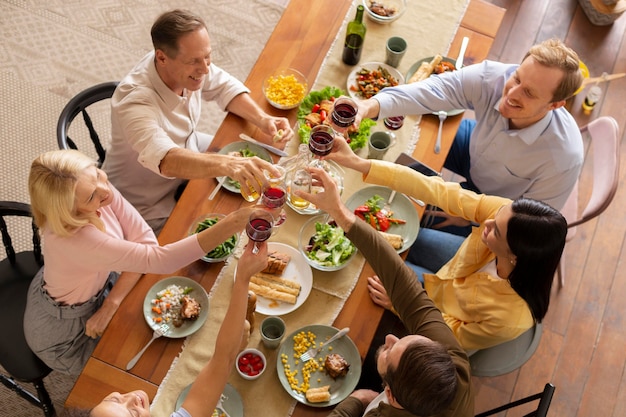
column 250, row 363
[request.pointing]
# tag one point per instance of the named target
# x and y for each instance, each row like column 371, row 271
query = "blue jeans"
column 432, row 250
column 458, row 159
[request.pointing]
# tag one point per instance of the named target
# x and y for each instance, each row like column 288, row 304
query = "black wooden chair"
column 544, row 397
column 79, row 104
column 16, row 272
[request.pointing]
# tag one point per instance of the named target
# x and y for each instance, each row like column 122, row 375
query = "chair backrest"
column 544, row 397
column 13, row 208
column 77, row 105
column 16, row 273
column 605, row 143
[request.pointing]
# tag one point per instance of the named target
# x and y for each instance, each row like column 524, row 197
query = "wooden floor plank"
column 582, row 350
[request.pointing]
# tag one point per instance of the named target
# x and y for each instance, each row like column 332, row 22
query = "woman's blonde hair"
column 52, row 187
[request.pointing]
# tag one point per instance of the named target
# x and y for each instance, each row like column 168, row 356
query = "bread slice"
column 276, row 263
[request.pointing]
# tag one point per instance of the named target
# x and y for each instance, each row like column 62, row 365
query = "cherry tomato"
column 316, row 108
column 323, row 115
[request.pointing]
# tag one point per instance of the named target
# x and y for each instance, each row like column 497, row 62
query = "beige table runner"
column 429, row 29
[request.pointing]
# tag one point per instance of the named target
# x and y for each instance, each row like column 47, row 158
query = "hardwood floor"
column 583, row 347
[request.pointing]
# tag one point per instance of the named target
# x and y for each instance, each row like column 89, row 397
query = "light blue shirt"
column 542, row 161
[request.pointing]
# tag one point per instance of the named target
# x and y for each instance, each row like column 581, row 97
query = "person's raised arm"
column 345, row 156
column 210, row 382
column 329, row 199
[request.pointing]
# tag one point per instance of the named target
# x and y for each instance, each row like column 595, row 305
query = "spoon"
column 442, row 116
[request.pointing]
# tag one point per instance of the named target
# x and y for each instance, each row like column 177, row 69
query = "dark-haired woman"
column 492, row 286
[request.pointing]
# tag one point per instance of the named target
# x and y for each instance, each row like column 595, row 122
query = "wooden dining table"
column 304, row 46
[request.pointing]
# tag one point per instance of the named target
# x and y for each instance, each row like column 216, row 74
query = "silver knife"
column 263, row 145
column 459, row 60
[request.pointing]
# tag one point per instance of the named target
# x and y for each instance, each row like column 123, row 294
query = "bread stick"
column 274, row 285
column 425, row 69
column 395, row 240
column 282, row 281
column 318, row 395
column 273, row 294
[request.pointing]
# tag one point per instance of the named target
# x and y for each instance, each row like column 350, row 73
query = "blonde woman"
column 96, row 247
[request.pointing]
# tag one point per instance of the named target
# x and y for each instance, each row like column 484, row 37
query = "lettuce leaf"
column 357, row 139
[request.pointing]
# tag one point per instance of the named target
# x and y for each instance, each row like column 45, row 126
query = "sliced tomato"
column 383, row 221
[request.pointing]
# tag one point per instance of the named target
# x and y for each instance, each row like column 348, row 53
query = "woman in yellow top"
column 497, row 285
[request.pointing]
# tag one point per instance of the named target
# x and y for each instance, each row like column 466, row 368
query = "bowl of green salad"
column 324, row 245
column 222, row 251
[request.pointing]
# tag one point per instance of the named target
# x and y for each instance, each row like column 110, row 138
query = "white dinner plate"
column 232, row 401
column 402, row 208
column 189, row 326
column 340, row 387
column 370, row 66
column 262, row 153
column 297, row 270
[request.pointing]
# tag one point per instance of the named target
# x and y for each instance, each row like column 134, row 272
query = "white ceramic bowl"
column 306, row 232
column 246, row 370
column 208, row 257
column 285, row 89
column 398, row 5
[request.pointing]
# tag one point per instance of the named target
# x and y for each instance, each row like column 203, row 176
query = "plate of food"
column 316, row 108
column 332, row 378
column 399, row 223
column 367, row 79
column 178, row 301
column 244, row 150
column 426, row 67
column 285, row 284
column 232, row 403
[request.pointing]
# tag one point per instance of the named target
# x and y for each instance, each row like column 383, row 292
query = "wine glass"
column 343, row 114
column 259, row 227
column 274, row 194
column 321, row 142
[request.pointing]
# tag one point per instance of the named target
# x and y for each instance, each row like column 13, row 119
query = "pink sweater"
column 77, row 267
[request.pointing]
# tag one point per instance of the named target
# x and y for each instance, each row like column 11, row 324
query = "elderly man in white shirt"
column 155, row 111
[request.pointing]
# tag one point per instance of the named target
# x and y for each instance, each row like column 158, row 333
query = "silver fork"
column 158, row 332
column 442, row 116
column 220, row 405
column 311, row 353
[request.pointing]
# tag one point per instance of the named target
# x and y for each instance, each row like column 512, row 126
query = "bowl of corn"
column 285, row 89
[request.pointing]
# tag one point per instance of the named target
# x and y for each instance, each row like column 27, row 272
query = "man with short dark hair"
column 426, row 373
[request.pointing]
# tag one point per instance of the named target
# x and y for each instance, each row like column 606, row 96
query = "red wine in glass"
column 274, row 197
column 344, row 112
column 394, row 122
column 321, row 141
column 259, row 227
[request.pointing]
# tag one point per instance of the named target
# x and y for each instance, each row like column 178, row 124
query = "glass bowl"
column 216, row 255
column 398, row 5
column 246, row 369
column 309, row 229
column 285, row 89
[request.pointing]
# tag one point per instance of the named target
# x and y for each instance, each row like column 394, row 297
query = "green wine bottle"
column 355, row 35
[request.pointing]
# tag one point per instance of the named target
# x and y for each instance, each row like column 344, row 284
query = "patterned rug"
column 53, row 49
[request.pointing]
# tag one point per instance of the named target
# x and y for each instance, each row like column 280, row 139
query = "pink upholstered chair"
column 604, row 144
